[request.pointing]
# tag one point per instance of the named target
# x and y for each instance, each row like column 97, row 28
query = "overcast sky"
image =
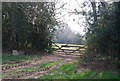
column 74, row 21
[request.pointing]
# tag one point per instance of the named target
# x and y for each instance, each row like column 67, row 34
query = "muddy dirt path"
column 7, row 70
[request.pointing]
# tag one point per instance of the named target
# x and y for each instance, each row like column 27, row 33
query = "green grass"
column 51, row 63
column 0, row 75
column 54, row 47
column 63, row 72
column 107, row 75
column 38, row 67
column 9, row 57
column 10, row 73
column 59, row 44
column 83, row 60
column 67, row 71
column 69, row 48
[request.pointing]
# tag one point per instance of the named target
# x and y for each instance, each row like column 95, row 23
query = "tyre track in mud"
column 53, row 57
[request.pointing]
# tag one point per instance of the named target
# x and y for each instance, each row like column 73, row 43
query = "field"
column 54, row 66
column 69, row 47
column 60, row 40
column 60, row 44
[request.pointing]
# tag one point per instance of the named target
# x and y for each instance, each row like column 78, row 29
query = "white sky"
column 68, row 18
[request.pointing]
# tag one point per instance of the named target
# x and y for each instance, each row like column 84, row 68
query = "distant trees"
column 65, row 35
column 27, row 25
column 103, row 35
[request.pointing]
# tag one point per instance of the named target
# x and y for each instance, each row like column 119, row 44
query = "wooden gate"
column 65, row 48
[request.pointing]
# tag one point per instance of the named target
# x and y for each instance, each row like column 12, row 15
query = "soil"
column 93, row 65
column 32, row 63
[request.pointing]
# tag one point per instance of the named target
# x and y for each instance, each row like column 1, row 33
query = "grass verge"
column 8, row 57
column 40, row 66
column 68, row 71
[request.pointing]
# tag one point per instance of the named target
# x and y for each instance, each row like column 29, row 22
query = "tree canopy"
column 28, row 25
column 102, row 36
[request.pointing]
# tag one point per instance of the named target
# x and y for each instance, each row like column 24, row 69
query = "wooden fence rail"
column 68, row 46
